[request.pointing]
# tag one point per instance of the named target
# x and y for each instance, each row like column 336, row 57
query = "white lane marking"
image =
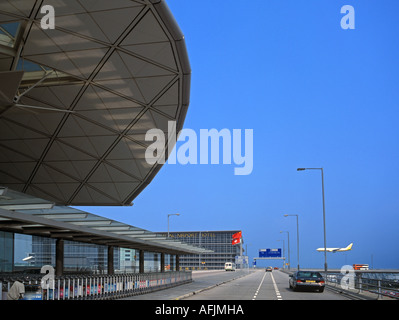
column 257, row 290
column 276, row 289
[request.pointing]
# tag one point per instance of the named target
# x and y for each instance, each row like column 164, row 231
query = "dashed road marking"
column 257, row 290
column 276, row 289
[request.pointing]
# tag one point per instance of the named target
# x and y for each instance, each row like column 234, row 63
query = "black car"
column 307, row 280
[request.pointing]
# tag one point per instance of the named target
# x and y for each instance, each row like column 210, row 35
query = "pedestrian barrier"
column 94, row 287
column 363, row 283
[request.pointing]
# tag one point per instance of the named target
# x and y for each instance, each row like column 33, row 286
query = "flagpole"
column 238, row 237
column 242, row 266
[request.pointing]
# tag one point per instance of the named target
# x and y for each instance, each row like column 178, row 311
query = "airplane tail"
column 349, row 247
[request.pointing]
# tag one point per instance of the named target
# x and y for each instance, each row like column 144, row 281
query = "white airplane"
column 336, row 249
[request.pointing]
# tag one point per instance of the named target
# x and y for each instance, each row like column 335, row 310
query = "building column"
column 141, row 261
column 172, row 262
column 59, row 257
column 110, row 260
column 162, row 262
column 177, row 262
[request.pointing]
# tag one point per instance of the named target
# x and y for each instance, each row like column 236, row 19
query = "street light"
column 324, row 212
column 289, row 260
column 297, row 233
column 171, row 214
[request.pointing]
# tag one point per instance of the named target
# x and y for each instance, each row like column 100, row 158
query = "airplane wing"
column 328, row 249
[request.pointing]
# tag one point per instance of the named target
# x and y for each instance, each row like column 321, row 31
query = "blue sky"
column 316, row 96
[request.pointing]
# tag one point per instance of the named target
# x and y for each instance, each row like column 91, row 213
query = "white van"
column 229, row 266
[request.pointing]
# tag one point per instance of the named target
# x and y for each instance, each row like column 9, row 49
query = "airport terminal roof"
column 76, row 101
column 21, row 213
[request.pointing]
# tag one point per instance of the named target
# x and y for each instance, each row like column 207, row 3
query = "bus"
column 360, row 267
column 229, row 266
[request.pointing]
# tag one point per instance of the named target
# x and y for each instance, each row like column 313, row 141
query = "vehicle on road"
column 306, row 280
column 229, row 266
column 269, row 269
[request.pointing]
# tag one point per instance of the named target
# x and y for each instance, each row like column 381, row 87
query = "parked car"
column 307, row 280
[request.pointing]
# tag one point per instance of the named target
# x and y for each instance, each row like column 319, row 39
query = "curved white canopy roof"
column 107, row 73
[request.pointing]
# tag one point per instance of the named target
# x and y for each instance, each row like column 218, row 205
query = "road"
column 239, row 285
column 201, row 280
column 261, row 285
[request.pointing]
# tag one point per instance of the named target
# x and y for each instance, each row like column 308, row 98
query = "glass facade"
column 86, row 258
column 6, row 251
column 128, row 260
column 26, row 253
column 218, row 241
column 33, row 252
column 152, row 262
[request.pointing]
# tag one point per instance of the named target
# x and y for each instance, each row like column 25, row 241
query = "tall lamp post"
column 172, row 214
column 297, row 233
column 289, row 260
column 324, row 213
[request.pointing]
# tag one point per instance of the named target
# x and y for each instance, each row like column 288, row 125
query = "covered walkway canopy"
column 20, row 213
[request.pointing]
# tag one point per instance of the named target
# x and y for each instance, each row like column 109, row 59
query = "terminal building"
column 76, row 102
column 219, row 244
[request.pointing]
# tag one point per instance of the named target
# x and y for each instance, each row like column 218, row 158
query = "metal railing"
column 95, row 287
column 362, row 284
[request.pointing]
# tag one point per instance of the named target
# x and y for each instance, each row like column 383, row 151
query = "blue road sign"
column 270, row 253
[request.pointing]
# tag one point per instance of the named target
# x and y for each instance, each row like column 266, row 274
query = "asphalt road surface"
column 239, row 285
column 261, row 285
column 201, row 280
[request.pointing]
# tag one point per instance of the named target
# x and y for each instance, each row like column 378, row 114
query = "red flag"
column 236, row 238
column 237, row 235
column 236, row 241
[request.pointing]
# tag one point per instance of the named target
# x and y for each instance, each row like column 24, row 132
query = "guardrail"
column 94, row 287
column 362, row 284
